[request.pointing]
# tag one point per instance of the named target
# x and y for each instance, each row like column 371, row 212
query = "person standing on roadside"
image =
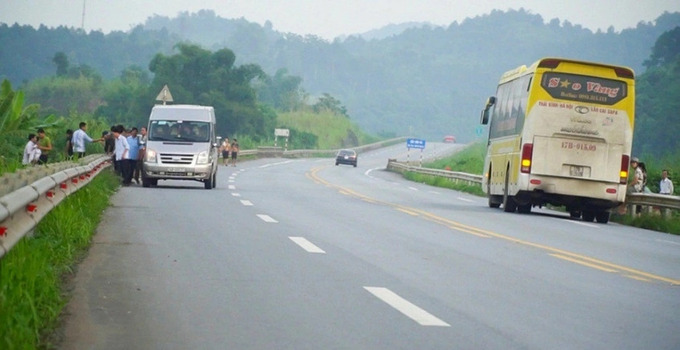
column 81, row 138
column 234, row 152
column 45, row 145
column 140, row 156
column 133, row 153
column 637, row 182
column 69, row 144
column 665, row 185
column 225, row 151
column 121, row 153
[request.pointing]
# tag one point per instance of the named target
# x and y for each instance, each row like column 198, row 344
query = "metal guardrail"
column 642, row 199
column 24, row 207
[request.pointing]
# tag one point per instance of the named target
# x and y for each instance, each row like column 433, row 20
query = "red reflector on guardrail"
column 63, row 185
column 31, row 208
column 3, row 231
column 49, row 194
column 74, row 180
column 82, row 177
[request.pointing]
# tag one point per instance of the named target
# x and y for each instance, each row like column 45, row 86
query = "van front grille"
column 176, row 158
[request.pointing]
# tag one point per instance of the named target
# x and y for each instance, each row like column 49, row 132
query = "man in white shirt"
column 80, row 138
column 665, row 185
column 121, row 151
column 31, row 151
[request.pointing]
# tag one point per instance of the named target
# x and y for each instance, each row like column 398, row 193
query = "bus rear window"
column 584, row 88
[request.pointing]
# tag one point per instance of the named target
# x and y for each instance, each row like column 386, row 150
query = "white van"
column 181, row 145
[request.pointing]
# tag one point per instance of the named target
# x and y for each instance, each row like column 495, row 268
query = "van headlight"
column 150, row 156
column 203, row 158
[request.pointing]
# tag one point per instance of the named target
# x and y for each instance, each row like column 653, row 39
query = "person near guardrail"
column 224, row 148
column 31, row 150
column 666, row 184
column 121, row 153
column 636, row 184
column 69, row 144
column 81, row 138
column 133, row 154
column 234, row 152
column 45, row 145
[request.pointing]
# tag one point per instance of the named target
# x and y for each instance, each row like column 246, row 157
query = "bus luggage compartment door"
column 583, row 158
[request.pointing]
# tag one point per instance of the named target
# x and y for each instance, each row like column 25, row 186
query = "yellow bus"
column 560, row 133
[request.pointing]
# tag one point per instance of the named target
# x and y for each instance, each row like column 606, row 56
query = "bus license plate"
column 576, row 171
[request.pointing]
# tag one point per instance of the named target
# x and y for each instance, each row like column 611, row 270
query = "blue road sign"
column 415, row 143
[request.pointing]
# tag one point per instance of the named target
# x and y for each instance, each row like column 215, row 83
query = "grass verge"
column 31, row 274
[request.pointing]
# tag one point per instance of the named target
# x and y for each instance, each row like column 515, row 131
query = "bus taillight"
column 527, row 152
column 623, row 174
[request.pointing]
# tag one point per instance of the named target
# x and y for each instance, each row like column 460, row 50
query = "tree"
column 666, row 49
column 61, row 61
column 197, row 76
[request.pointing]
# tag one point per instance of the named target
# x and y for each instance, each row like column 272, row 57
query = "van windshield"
column 180, row 131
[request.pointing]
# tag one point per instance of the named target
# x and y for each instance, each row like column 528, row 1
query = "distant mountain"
column 411, row 78
column 391, row 30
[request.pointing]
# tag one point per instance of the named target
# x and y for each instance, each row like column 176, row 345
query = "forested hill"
column 426, row 81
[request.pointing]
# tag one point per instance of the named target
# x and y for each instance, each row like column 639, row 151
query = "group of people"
column 638, row 183
column 229, row 149
column 37, row 149
column 126, row 147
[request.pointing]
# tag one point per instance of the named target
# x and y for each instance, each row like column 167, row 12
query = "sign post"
column 415, row 143
column 164, row 95
column 281, row 132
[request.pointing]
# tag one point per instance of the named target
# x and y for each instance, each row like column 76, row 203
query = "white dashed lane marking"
column 266, row 218
column 402, row 305
column 307, row 245
column 246, row 203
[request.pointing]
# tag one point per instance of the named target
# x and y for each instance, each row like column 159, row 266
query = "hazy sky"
column 327, row 18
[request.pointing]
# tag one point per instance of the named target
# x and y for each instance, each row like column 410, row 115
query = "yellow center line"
column 583, row 263
column 556, row 252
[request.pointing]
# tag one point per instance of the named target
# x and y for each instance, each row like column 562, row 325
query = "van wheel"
column 208, row 183
column 146, row 182
column 509, row 205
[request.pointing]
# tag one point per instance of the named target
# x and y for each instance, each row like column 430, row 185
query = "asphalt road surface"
column 303, row 254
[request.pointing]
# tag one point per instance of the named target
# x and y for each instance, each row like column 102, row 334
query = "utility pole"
column 82, row 23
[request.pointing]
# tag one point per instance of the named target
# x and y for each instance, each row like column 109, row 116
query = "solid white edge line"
column 583, row 223
column 307, row 245
column 402, row 305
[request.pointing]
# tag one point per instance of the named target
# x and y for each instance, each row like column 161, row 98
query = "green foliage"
column 64, row 95
column 16, row 123
column 468, row 160
column 657, row 110
column 444, row 183
column 652, row 221
column 282, row 91
column 197, row 76
column 330, row 104
column 332, row 131
column 31, row 296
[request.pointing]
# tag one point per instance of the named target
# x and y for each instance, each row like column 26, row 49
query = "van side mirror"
column 484, row 118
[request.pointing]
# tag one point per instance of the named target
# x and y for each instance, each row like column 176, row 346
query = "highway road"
column 303, row 254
